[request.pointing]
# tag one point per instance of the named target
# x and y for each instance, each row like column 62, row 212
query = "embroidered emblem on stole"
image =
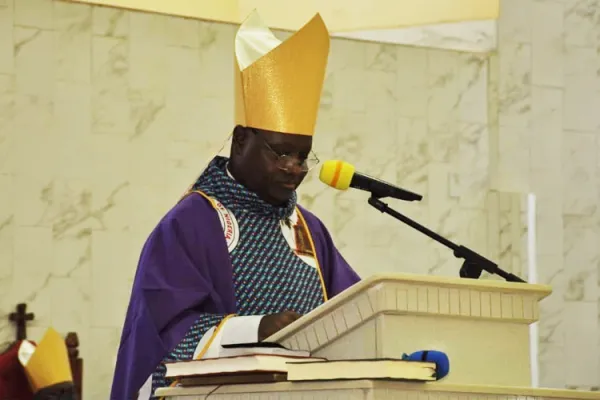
column 296, row 235
column 229, row 224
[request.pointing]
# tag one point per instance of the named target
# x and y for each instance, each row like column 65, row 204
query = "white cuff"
column 240, row 330
column 236, row 330
column 145, row 390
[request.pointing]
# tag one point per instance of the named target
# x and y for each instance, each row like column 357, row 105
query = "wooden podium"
column 483, row 326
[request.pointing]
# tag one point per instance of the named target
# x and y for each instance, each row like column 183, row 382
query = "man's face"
column 272, row 164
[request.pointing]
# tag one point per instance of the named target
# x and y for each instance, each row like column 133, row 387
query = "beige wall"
column 107, row 115
column 545, row 86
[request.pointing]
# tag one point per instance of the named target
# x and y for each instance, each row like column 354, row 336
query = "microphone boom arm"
column 474, row 263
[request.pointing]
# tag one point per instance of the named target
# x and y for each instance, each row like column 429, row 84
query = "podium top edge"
column 458, row 283
column 379, row 280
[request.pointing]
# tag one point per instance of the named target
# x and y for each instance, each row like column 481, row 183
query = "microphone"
column 341, row 175
column 440, row 359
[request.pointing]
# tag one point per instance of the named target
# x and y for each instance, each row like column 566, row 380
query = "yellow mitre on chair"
column 46, row 364
column 278, row 84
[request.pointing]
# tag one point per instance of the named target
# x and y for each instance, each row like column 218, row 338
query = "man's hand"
column 270, row 324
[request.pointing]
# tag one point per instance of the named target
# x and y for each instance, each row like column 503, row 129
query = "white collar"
column 228, row 172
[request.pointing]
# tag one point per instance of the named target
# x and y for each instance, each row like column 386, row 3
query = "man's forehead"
column 280, row 138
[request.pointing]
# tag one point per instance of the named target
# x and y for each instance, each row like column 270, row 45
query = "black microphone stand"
column 474, row 263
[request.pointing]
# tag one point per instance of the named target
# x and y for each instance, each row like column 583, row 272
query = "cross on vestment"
column 20, row 318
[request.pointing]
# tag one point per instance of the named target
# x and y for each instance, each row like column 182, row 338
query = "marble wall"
column 106, row 116
column 545, row 92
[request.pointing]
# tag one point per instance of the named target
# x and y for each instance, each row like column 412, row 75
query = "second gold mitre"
column 47, row 364
column 278, row 84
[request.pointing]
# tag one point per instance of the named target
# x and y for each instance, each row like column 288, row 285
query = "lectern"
column 483, row 326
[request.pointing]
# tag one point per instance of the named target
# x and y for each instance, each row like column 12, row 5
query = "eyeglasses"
column 284, row 161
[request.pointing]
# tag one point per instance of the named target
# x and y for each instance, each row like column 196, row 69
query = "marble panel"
column 32, row 134
column 553, row 369
column 472, row 83
column 514, row 23
column 470, row 181
column 100, row 361
column 7, row 115
column 581, row 344
column 215, row 47
column 34, row 47
column 181, row 32
column 581, row 100
column 579, row 173
column 7, row 48
column 513, row 159
column 151, row 62
column 73, row 39
column 108, row 21
column 546, row 129
column 112, row 270
column 110, row 90
column 581, row 258
column 581, row 22
column 514, row 83
column 442, row 88
column 547, row 42
column 7, row 233
column 411, row 89
column 34, row 13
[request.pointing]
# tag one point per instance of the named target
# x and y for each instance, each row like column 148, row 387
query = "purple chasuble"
column 185, row 271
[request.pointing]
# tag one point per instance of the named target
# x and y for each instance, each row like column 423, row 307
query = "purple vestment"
column 185, row 270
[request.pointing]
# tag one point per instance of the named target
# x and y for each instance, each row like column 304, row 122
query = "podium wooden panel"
column 483, row 326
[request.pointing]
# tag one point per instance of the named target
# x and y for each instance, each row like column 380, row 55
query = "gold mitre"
column 47, row 363
column 278, row 84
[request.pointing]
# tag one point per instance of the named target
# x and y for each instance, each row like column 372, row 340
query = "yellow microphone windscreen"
column 337, row 174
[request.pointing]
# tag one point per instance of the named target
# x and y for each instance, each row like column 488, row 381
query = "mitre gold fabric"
column 278, row 84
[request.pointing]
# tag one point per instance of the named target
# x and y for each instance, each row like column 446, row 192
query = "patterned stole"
column 294, row 229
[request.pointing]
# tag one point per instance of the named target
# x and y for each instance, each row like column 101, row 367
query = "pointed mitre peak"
column 253, row 40
column 278, row 83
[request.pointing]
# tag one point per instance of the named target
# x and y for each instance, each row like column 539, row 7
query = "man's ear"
column 239, row 138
